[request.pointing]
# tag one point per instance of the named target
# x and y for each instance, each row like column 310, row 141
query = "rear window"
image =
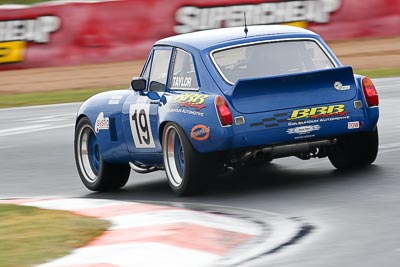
column 270, row 59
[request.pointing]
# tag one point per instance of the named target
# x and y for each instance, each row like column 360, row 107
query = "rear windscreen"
column 269, row 59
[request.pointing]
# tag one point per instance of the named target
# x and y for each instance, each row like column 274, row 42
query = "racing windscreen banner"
column 72, row 33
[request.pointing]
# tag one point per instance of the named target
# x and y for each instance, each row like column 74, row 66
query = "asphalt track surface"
column 355, row 215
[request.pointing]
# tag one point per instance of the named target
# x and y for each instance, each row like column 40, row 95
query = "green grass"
column 29, row 236
column 379, row 73
column 21, row 2
column 42, row 98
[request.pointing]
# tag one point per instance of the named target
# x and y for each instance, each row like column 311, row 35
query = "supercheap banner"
column 70, row 33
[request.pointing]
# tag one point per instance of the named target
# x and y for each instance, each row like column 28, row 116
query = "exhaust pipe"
column 144, row 169
column 281, row 151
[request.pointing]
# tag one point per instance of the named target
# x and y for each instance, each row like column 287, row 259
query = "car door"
column 140, row 110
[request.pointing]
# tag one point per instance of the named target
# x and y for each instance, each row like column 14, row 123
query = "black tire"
column 187, row 170
column 354, row 151
column 95, row 173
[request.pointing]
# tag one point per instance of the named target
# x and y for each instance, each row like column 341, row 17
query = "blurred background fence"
column 73, row 33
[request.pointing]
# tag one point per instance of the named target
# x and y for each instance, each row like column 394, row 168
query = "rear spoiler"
column 299, row 89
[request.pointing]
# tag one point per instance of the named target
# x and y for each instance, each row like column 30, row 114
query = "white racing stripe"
column 33, row 128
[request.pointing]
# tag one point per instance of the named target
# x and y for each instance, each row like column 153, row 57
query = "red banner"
column 53, row 34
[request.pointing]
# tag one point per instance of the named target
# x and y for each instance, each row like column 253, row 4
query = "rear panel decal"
column 271, row 121
column 353, row 125
column 318, row 112
column 304, row 116
column 195, row 101
column 303, row 129
column 200, row 132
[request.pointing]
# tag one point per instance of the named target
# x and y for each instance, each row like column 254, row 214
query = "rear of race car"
column 302, row 106
column 306, row 108
column 299, row 114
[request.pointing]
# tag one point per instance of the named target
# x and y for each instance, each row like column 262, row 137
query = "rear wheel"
column 95, row 173
column 186, row 169
column 355, row 150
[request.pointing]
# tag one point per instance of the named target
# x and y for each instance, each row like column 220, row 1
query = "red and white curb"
column 157, row 235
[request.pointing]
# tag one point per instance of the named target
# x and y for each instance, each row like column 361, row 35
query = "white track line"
column 33, row 128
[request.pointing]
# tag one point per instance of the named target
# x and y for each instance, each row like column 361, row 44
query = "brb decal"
column 195, row 101
column 14, row 35
column 298, row 13
column 319, row 112
column 200, row 132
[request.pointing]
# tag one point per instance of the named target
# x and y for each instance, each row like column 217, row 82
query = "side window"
column 146, row 71
column 159, row 69
column 183, row 73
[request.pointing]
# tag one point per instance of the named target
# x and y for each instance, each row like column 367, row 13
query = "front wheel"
column 186, row 169
column 355, row 150
column 95, row 173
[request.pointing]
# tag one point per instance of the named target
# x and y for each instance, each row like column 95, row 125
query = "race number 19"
column 140, row 125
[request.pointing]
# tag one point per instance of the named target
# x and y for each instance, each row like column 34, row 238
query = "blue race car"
column 220, row 99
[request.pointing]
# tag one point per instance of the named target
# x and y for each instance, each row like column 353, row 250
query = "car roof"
column 207, row 38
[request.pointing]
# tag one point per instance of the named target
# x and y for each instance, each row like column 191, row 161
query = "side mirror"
column 138, row 84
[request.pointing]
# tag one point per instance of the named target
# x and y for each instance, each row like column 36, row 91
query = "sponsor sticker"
column 102, row 123
column 340, row 87
column 303, row 129
column 200, row 132
column 297, row 123
column 353, row 125
column 186, row 111
column 195, row 101
column 319, row 112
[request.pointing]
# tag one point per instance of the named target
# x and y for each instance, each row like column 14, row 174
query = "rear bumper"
column 268, row 129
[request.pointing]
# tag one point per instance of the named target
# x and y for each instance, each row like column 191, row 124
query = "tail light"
column 370, row 93
column 224, row 113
